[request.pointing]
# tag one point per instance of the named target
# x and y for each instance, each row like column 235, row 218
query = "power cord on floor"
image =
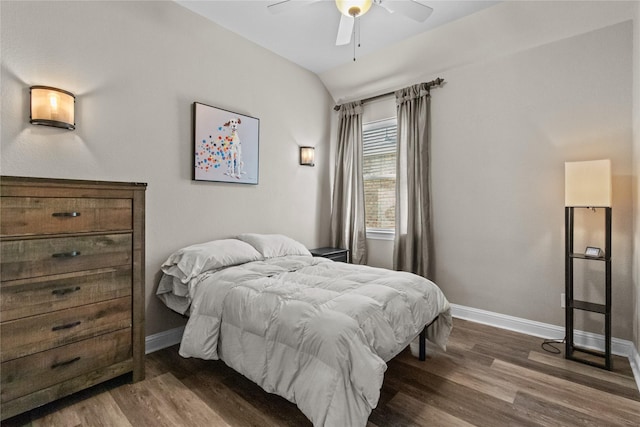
column 548, row 345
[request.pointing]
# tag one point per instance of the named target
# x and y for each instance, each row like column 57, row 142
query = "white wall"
column 136, row 68
column 529, row 85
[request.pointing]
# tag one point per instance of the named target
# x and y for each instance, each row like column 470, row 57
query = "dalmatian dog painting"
column 225, row 145
column 234, row 159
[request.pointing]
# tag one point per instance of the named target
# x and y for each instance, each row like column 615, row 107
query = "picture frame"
column 225, row 145
column 592, row 251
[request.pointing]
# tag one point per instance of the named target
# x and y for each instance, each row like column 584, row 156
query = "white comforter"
column 311, row 330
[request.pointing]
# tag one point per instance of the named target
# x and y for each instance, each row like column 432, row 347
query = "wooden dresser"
column 71, row 287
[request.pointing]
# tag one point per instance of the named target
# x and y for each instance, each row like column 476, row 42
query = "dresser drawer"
column 72, row 287
column 30, row 335
column 39, row 215
column 29, row 297
column 41, row 370
column 43, row 257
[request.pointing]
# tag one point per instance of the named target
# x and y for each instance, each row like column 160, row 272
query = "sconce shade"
column 307, row 156
column 587, row 184
column 52, row 107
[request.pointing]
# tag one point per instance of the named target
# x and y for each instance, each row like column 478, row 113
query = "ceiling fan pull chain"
column 353, row 36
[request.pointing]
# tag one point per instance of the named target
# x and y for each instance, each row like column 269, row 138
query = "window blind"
column 379, row 174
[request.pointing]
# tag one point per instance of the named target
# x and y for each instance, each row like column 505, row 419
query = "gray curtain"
column 413, row 244
column 347, row 213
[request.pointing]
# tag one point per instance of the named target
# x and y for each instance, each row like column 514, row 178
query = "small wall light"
column 307, row 156
column 52, row 107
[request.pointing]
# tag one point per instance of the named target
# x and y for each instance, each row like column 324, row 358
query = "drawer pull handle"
column 66, row 254
column 67, row 326
column 65, row 291
column 65, row 363
column 66, row 214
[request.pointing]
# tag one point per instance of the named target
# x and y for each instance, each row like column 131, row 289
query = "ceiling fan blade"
column 345, row 30
column 409, row 8
column 285, row 5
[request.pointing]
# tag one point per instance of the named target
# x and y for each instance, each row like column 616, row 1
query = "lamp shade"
column 587, row 184
column 52, row 107
column 307, row 156
column 353, row 7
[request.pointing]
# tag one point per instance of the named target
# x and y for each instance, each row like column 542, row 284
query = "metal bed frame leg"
column 422, row 352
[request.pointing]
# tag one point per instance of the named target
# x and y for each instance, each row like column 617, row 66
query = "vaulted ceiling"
column 305, row 31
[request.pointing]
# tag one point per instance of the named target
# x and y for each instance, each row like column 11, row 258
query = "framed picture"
column 591, row 251
column 225, row 145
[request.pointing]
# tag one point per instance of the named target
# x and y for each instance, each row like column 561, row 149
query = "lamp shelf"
column 588, row 306
column 574, row 304
column 591, row 352
column 583, row 256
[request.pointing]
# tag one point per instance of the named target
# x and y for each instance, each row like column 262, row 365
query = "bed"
column 314, row 331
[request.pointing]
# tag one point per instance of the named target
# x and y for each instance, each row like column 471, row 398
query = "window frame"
column 380, row 233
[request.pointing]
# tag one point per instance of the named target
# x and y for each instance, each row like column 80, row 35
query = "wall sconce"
column 307, row 156
column 52, row 107
column 587, row 184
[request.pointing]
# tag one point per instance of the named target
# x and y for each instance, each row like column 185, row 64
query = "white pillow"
column 274, row 245
column 187, row 263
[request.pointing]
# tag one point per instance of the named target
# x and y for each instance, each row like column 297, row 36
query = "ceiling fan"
column 352, row 9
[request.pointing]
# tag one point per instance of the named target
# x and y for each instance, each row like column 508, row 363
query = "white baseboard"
column 163, row 339
column 589, row 340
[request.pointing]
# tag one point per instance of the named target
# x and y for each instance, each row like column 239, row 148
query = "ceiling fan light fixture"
column 353, row 7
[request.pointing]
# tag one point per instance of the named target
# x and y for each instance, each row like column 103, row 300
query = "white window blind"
column 379, row 174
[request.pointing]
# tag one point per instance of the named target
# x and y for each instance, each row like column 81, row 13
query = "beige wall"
column 636, row 175
column 136, row 68
column 502, row 130
column 506, row 28
column 529, row 85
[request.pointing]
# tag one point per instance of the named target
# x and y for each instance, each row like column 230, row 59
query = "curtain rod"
column 432, row 83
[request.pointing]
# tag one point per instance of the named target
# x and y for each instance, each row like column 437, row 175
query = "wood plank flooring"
column 487, row 377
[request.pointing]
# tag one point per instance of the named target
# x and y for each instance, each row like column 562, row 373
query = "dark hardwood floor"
column 487, row 377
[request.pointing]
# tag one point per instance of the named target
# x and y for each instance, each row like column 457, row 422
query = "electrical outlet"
column 563, row 300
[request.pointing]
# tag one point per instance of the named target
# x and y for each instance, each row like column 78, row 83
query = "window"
column 379, row 176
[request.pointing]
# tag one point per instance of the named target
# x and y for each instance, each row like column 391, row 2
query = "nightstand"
column 334, row 254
